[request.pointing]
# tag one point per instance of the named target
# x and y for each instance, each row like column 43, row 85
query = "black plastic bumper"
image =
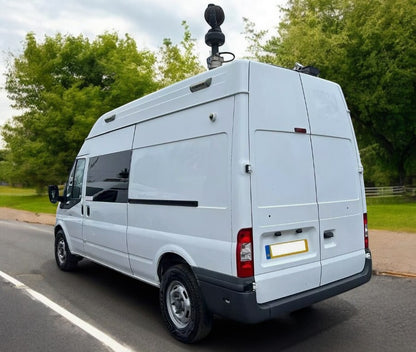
column 235, row 299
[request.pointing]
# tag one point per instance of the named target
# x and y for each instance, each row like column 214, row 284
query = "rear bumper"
column 235, row 299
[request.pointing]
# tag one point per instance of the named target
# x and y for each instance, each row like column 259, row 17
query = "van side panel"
column 180, row 189
column 338, row 185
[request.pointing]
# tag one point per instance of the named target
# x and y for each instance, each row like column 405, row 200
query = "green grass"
column 25, row 199
column 392, row 213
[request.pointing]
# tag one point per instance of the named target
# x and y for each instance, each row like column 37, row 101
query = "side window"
column 73, row 190
column 108, row 177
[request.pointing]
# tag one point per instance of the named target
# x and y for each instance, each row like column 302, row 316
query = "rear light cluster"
column 365, row 231
column 244, row 253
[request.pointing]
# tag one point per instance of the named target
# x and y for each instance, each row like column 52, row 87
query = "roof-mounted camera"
column 214, row 15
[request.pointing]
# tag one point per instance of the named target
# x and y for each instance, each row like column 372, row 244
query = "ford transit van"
column 238, row 192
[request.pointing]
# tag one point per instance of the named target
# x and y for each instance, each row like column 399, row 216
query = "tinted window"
column 108, row 177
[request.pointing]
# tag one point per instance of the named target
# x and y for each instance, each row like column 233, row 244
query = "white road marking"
column 88, row 328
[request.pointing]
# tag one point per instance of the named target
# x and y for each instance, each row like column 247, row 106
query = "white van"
column 239, row 192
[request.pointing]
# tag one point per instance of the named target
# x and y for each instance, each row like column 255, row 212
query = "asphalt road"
column 379, row 316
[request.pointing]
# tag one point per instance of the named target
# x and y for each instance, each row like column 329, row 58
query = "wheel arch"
column 57, row 229
column 61, row 227
column 169, row 259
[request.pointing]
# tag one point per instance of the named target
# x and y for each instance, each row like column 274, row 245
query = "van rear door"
column 339, row 180
column 284, row 207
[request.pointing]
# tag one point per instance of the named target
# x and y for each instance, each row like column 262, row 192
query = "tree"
column 369, row 47
column 178, row 62
column 3, row 168
column 63, row 84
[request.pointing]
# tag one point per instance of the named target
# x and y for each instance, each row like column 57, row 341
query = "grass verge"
column 392, row 213
column 25, row 199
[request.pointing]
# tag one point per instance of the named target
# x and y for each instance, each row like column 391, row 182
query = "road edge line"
column 82, row 324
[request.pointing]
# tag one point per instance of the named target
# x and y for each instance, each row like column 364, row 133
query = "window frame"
column 70, row 186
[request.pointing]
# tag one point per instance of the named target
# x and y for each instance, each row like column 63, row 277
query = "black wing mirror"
column 53, row 193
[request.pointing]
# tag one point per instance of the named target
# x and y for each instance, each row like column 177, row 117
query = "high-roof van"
column 238, row 192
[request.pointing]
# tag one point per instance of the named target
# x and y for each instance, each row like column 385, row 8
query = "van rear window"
column 108, row 177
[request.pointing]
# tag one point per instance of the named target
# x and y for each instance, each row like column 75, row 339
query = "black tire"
column 183, row 308
column 65, row 260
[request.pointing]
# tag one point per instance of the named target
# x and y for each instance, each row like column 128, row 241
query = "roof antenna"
column 214, row 15
column 309, row 70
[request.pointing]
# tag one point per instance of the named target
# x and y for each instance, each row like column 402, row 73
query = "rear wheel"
column 65, row 260
column 182, row 305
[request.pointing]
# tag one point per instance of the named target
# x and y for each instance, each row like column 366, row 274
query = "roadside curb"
column 26, row 216
column 395, row 274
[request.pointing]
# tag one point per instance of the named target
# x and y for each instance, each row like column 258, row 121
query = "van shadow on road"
column 130, row 308
column 278, row 334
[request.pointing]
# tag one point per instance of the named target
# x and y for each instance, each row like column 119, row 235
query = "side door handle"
column 88, row 210
column 328, row 234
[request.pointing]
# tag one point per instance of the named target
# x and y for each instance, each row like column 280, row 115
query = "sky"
column 147, row 21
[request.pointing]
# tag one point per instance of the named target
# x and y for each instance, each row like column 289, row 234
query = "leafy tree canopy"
column 177, row 62
column 369, row 47
column 63, row 84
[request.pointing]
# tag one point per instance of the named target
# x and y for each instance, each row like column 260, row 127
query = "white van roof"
column 227, row 80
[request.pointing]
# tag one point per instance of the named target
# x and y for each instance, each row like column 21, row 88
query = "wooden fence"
column 390, row 191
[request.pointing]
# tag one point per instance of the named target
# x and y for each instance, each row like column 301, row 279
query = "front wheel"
column 182, row 305
column 65, row 260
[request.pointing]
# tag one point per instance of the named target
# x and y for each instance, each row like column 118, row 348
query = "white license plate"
column 286, row 248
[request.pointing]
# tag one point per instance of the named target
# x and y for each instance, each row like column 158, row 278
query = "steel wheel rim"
column 61, row 251
column 178, row 304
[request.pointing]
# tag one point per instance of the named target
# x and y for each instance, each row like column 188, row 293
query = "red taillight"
column 244, row 254
column 365, row 231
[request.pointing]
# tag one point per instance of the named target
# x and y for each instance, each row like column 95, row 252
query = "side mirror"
column 53, row 193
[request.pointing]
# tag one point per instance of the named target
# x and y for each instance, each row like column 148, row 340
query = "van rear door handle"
column 88, row 210
column 328, row 234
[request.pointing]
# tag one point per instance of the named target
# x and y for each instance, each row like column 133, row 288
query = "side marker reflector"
column 300, row 130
